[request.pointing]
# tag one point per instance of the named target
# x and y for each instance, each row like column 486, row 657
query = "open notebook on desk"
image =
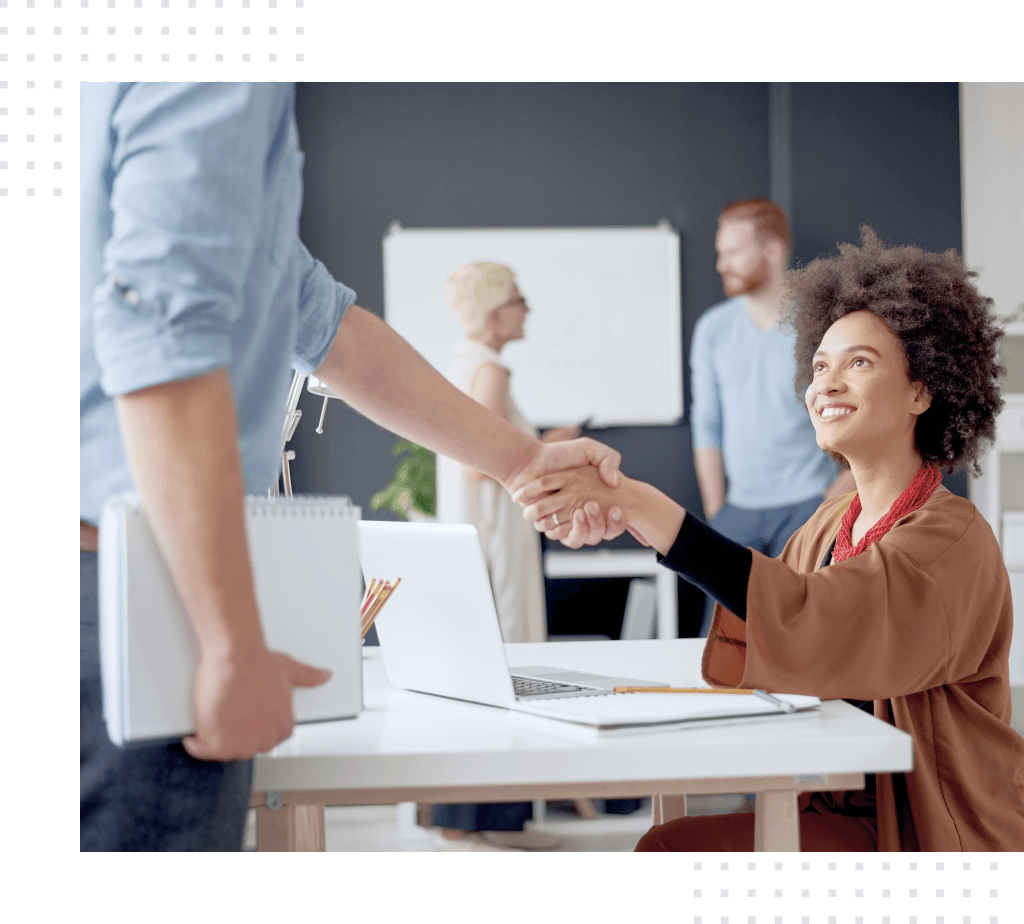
column 650, row 710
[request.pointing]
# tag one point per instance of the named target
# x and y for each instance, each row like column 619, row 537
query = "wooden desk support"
column 297, row 821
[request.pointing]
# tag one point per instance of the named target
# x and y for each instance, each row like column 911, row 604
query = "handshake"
column 575, row 493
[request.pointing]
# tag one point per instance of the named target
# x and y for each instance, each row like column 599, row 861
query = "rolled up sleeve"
column 187, row 180
column 322, row 305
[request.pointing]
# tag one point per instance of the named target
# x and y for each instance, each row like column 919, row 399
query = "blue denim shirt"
column 191, row 262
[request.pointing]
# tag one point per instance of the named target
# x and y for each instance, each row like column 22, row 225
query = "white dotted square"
column 859, row 893
column 778, row 894
column 967, row 866
column 831, row 866
column 993, row 893
column 939, row 893
column 725, row 866
column 913, row 866
column 751, row 893
column 967, row 893
column 885, row 866
column 138, row 57
column 993, row 866
column 913, row 893
column 778, row 866
column 885, row 893
column 940, row 866
column 859, row 866
column 191, row 57
column 725, row 893
column 696, row 866
column 696, row 893
column 218, row 57
column 751, row 866
column 805, row 866
column 245, row 57
column 831, row 893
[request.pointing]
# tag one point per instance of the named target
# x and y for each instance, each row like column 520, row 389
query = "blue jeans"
column 766, row 531
column 154, row 796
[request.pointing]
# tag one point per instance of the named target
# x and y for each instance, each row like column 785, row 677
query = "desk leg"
column 776, row 822
column 291, row 828
column 667, row 808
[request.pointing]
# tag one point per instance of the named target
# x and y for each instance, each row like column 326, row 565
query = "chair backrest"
column 641, row 609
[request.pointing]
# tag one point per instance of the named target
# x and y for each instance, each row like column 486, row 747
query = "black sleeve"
column 717, row 565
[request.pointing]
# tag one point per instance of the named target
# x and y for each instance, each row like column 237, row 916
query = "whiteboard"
column 603, row 336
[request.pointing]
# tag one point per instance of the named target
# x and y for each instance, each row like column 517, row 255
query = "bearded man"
column 759, row 468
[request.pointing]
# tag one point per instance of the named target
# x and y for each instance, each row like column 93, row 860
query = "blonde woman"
column 491, row 309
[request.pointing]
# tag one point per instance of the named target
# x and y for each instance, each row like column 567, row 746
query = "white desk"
column 410, row 747
column 622, row 563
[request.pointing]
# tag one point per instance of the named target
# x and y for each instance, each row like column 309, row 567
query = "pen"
column 683, row 690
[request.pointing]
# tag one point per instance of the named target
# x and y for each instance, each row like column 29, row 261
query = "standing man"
column 759, row 468
column 197, row 299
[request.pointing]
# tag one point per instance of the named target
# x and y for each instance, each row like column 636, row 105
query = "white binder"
column 305, row 559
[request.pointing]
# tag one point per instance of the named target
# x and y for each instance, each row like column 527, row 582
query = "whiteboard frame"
column 436, row 338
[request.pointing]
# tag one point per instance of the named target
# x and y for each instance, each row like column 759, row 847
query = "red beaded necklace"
column 927, row 479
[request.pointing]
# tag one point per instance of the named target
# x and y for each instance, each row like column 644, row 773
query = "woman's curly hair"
column 949, row 333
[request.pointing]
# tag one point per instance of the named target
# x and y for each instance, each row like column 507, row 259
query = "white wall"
column 992, row 191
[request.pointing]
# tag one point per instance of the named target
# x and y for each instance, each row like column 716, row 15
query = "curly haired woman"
column 895, row 596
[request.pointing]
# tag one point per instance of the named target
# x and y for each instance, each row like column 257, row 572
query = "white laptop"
column 439, row 632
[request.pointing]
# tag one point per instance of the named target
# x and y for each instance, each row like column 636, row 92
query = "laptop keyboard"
column 526, row 686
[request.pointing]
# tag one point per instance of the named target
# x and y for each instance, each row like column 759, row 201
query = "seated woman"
column 896, row 595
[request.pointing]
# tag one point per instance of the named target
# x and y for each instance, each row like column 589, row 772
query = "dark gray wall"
column 464, row 155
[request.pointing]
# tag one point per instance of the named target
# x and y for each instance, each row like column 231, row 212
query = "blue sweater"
column 742, row 402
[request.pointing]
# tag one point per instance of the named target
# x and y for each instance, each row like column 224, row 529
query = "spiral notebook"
column 305, row 557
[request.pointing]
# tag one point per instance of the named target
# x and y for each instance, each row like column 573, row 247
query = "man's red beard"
column 735, row 284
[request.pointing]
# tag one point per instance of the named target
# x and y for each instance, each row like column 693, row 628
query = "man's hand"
column 575, row 507
column 552, row 458
column 243, row 707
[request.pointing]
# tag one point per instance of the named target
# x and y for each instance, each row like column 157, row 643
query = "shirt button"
column 132, row 297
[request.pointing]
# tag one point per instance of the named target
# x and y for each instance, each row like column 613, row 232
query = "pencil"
column 682, row 690
column 378, row 605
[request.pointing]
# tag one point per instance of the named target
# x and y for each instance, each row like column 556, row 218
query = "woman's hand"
column 575, row 505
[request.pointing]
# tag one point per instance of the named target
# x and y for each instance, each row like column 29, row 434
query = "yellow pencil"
column 682, row 690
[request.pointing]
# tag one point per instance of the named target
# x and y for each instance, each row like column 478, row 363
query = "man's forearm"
column 182, row 444
column 710, row 479
column 379, row 374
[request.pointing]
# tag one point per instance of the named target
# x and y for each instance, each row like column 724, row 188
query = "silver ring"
column 554, row 517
